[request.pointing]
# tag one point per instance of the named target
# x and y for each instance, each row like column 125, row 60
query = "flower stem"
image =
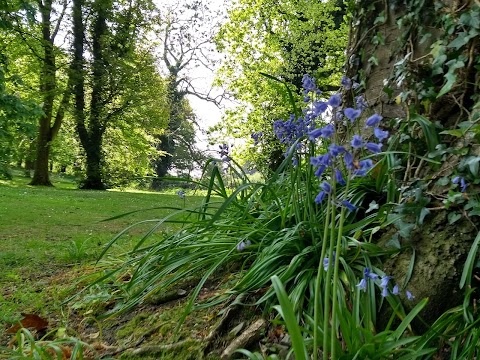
column 316, row 311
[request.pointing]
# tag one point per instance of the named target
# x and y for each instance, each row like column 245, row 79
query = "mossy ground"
column 49, row 241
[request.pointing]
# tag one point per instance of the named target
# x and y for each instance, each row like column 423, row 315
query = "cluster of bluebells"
column 368, row 276
column 224, row 151
column 341, row 157
column 459, row 180
column 292, row 129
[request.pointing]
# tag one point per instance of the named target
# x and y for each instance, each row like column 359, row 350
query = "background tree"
column 107, row 82
column 18, row 109
column 185, row 33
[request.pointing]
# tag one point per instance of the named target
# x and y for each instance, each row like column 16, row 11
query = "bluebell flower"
column 315, row 161
column 349, row 205
column 321, row 169
column 395, row 290
column 328, row 131
column 339, row 177
column 364, row 166
column 373, row 120
column 319, row 198
column 346, row 82
column 325, row 186
column 243, row 244
column 223, row 150
column 360, row 102
column 348, row 158
column 308, row 84
column 325, row 132
column 362, row 285
column 409, row 295
column 366, row 163
column 319, row 107
column 181, row 194
column 325, row 160
column 352, row 114
column 335, row 100
column 325, row 264
column 385, row 292
column 306, row 99
column 380, row 134
column 367, row 273
column 373, row 147
column 357, row 142
column 336, row 150
column 460, row 180
column 256, row 137
column 385, row 280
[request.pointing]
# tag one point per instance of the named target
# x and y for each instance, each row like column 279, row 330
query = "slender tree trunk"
column 48, row 87
column 167, row 144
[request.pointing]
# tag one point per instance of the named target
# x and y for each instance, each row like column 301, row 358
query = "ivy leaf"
column 450, row 76
column 454, row 132
column 406, row 230
column 443, row 181
column 393, row 242
column 453, row 217
column 462, row 39
column 423, row 212
column 473, row 164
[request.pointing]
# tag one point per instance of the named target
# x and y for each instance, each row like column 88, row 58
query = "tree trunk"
column 48, row 88
column 41, row 174
column 381, row 53
column 94, row 176
column 90, row 132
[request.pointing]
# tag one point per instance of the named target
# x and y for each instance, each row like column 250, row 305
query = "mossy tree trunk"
column 394, row 52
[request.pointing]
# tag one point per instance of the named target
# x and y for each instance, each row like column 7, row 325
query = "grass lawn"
column 47, row 233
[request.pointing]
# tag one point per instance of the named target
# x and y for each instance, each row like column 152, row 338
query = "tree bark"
column 91, row 132
column 48, row 87
column 440, row 248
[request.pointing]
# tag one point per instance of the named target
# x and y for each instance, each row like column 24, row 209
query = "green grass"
column 47, row 232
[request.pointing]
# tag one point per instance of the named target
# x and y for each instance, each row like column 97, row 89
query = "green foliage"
column 27, row 347
column 286, row 40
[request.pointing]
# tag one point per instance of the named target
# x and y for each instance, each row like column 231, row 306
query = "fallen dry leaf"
column 29, row 321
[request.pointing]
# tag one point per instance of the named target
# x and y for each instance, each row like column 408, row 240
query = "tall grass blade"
column 288, row 314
